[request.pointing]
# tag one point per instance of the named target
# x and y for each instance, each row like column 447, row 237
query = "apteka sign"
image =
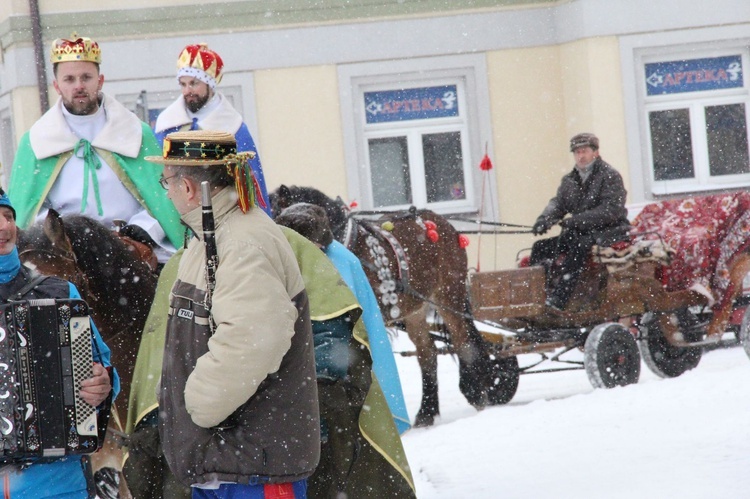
column 694, row 75
column 411, row 104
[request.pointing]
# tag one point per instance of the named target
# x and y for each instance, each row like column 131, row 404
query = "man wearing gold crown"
column 86, row 155
column 201, row 107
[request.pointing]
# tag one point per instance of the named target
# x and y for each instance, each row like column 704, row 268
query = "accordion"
column 45, row 353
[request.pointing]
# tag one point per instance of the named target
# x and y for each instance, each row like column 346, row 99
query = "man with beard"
column 201, row 107
column 86, row 155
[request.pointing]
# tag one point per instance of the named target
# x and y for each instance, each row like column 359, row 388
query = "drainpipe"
column 36, row 38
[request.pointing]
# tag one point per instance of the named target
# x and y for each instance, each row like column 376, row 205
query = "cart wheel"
column 503, row 381
column 664, row 359
column 611, row 356
column 745, row 331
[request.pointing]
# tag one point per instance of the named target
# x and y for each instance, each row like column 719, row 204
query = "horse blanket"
column 705, row 232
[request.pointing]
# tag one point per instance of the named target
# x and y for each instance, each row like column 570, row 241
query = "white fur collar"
column 224, row 118
column 122, row 134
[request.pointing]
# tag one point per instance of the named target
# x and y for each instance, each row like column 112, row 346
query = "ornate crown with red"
column 200, row 62
column 77, row 48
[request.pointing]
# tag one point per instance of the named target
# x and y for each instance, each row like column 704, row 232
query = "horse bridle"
column 78, row 278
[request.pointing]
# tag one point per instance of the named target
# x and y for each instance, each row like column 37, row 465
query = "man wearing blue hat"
column 68, row 476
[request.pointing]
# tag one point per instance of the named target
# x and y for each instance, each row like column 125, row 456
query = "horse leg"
column 419, row 334
column 106, row 463
column 473, row 360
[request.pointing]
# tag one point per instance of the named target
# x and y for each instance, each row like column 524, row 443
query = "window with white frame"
column 416, row 146
column 697, row 114
column 414, row 133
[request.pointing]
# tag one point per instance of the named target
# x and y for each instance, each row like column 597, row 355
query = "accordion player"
column 45, row 354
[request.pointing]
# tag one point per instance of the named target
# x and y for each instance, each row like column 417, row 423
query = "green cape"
column 31, row 180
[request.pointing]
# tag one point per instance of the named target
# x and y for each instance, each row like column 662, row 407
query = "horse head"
column 337, row 211
column 47, row 250
column 308, row 220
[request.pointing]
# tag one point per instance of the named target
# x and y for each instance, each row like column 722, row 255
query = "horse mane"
column 285, row 196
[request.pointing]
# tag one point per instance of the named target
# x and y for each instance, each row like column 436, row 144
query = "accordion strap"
column 28, row 280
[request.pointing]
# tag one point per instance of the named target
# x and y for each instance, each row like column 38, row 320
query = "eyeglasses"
column 163, row 181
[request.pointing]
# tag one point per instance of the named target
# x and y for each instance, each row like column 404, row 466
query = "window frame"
column 468, row 73
column 414, row 131
column 696, row 103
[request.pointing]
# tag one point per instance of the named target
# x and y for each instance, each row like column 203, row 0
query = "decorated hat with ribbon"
column 201, row 63
column 212, row 148
column 77, row 48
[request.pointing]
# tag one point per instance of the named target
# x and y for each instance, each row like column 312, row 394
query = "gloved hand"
column 137, row 234
column 540, row 227
column 568, row 223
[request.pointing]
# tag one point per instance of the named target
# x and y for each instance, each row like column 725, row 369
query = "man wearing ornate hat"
column 238, row 413
column 593, row 195
column 201, row 107
column 86, row 155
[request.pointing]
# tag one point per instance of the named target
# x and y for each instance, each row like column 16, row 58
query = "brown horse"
column 111, row 278
column 410, row 269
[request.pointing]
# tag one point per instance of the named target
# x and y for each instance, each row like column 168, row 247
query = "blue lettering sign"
column 694, row 75
column 411, row 104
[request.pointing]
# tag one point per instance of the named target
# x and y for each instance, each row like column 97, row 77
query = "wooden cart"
column 615, row 318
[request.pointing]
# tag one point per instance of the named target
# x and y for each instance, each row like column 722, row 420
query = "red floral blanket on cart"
column 705, row 232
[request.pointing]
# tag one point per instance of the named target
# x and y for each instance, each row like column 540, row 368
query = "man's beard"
column 196, row 105
column 87, row 107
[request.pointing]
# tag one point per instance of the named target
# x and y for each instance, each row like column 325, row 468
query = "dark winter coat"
column 596, row 206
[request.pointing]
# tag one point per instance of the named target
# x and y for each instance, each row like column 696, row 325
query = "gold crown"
column 77, row 48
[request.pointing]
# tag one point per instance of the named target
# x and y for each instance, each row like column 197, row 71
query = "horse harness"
column 390, row 285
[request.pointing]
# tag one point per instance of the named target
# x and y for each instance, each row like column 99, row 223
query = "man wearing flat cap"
column 86, row 156
column 202, row 107
column 590, row 208
column 238, row 403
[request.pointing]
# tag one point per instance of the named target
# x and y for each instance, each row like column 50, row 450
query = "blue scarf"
column 10, row 264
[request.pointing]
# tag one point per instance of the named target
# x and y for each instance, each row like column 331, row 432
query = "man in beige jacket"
column 238, row 400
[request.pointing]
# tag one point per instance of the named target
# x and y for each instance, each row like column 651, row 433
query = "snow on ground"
column 686, row 437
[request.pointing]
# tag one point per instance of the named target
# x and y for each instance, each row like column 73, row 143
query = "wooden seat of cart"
column 521, row 292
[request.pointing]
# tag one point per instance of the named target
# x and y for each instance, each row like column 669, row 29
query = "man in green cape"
column 86, row 155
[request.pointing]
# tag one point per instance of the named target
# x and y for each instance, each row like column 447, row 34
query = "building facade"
column 390, row 103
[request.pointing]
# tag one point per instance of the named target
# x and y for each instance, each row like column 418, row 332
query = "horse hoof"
column 423, row 421
column 107, row 483
column 483, row 402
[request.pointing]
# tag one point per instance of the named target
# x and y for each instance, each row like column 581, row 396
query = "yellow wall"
column 299, row 124
column 26, row 109
column 529, row 143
